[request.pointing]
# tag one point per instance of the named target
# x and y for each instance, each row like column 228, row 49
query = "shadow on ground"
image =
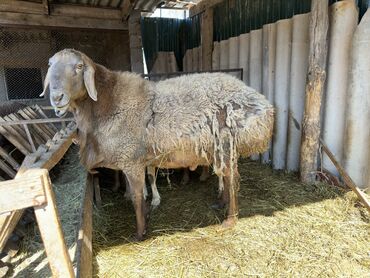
column 185, row 208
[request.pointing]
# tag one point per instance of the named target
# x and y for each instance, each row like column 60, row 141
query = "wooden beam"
column 9, row 171
column 41, row 112
column 51, row 233
column 68, row 10
column 84, row 241
column 126, row 9
column 21, row 7
column 21, row 193
column 85, row 11
column 34, row 121
column 42, row 20
column 45, row 3
column 207, row 39
column 319, row 24
column 15, row 138
column 202, row 6
column 45, row 158
column 4, row 154
column 37, row 127
column 346, row 178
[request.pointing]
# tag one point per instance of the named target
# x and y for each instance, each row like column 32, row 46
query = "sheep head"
column 70, row 78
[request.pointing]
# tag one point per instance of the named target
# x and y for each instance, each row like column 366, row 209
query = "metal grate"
column 24, row 55
column 23, row 83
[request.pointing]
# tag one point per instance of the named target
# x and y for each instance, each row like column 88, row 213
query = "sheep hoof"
column 185, row 180
column 115, row 188
column 155, row 203
column 229, row 223
column 136, row 237
column 204, row 177
column 218, row 205
column 127, row 196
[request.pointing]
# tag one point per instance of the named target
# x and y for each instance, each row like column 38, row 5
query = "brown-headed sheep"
column 128, row 123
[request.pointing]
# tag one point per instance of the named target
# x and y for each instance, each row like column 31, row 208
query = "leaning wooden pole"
column 319, row 24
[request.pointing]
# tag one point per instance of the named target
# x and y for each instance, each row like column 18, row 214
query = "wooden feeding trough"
column 44, row 147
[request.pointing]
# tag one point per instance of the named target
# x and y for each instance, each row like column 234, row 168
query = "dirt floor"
column 285, row 229
column 68, row 178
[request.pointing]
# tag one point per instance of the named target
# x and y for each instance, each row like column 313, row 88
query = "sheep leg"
column 186, row 177
column 224, row 198
column 156, row 198
column 128, row 189
column 137, row 183
column 231, row 185
column 205, row 173
column 117, row 183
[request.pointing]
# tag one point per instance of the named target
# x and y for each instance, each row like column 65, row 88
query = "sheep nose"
column 58, row 97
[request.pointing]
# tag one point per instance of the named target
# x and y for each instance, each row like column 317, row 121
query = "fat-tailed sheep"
column 128, row 123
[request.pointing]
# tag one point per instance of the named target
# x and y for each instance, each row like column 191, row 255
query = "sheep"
column 152, row 175
column 128, row 123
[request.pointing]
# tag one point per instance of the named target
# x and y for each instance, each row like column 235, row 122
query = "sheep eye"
column 79, row 66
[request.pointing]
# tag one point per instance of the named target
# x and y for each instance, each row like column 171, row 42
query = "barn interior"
column 303, row 205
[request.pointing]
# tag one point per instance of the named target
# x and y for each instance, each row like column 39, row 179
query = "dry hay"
column 68, row 179
column 285, row 229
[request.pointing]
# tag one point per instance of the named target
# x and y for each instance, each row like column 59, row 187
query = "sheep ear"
column 46, row 84
column 89, row 79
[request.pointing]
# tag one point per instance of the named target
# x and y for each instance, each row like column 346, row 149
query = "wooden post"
column 136, row 51
column 52, row 234
column 207, row 39
column 84, row 242
column 319, row 24
column 45, row 3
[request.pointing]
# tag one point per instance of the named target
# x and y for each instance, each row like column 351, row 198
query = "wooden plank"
column 39, row 140
column 43, row 158
column 65, row 10
column 51, row 233
column 319, row 24
column 20, row 193
column 15, row 139
column 4, row 154
column 84, row 241
column 29, row 137
column 85, row 11
column 37, row 110
column 20, row 131
column 9, row 171
column 38, row 129
column 21, row 7
column 346, row 178
column 35, row 121
column 41, row 20
column 45, row 127
column 55, row 153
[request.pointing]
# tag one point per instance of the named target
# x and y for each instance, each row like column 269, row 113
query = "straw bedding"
column 285, row 229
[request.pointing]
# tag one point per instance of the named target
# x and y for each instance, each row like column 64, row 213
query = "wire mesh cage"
column 24, row 55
